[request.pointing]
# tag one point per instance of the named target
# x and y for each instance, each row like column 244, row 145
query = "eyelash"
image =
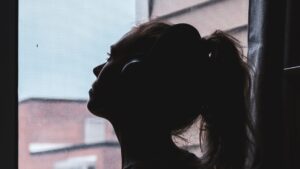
column 109, row 56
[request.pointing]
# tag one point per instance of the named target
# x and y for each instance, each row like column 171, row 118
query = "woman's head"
column 111, row 96
column 163, row 76
column 152, row 74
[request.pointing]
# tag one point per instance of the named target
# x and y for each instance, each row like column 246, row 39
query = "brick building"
column 62, row 134
column 206, row 15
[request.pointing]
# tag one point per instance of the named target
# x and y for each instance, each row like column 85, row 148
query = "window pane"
column 60, row 41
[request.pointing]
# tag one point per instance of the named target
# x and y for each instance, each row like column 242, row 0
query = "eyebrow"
column 112, row 50
column 112, row 47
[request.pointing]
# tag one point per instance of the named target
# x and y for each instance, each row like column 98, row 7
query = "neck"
column 138, row 145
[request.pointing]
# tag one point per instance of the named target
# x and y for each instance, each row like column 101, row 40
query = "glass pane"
column 60, row 42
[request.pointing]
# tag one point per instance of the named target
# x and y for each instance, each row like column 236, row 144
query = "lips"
column 91, row 91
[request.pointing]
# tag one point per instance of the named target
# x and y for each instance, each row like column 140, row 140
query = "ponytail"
column 225, row 118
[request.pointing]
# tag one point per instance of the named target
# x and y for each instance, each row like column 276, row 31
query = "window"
column 88, row 162
column 59, row 44
column 94, row 130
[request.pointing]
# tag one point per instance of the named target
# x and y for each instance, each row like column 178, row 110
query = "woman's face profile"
column 113, row 94
column 102, row 91
column 105, row 94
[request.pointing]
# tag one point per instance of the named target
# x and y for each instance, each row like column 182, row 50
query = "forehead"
column 125, row 47
column 113, row 48
column 118, row 53
column 136, row 42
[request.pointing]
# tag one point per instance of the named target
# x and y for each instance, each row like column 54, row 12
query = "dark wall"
column 8, row 84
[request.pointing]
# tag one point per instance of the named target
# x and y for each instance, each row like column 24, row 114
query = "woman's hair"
column 225, row 121
column 223, row 107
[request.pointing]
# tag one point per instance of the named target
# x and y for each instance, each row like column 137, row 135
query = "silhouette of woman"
column 158, row 80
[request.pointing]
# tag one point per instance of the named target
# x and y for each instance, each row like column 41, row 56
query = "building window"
column 83, row 162
column 42, row 147
column 94, row 130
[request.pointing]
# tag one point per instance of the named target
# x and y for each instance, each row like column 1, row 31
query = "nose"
column 98, row 69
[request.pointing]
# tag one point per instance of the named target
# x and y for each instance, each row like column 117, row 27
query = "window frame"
column 9, row 84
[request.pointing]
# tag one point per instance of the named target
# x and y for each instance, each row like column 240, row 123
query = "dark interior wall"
column 8, row 83
column 292, row 86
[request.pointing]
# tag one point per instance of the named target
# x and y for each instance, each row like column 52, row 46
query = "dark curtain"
column 272, row 41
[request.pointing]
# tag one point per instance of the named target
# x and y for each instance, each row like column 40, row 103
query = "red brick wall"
column 59, row 121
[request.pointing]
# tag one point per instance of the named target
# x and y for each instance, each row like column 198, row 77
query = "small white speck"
column 209, row 55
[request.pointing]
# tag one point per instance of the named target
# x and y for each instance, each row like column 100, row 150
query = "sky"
column 60, row 41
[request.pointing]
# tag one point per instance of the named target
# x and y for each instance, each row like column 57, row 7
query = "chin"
column 93, row 107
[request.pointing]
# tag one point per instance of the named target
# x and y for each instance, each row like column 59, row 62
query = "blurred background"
column 59, row 44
